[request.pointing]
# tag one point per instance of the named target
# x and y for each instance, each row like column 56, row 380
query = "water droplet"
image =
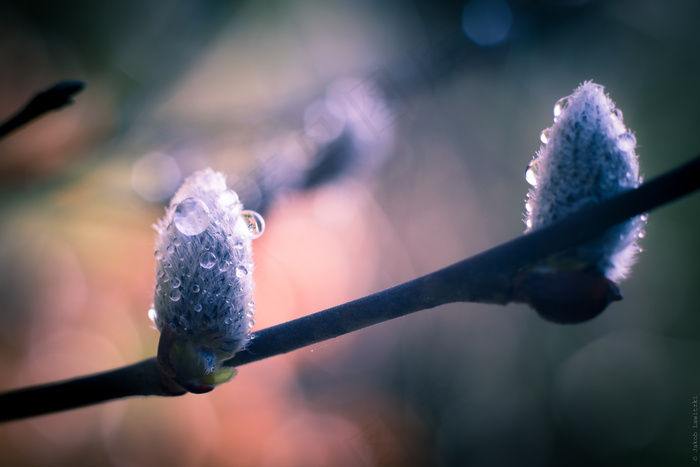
column 227, row 320
column 251, row 304
column 618, row 113
column 544, row 136
column 158, row 254
column 250, row 314
column 626, row 141
column 640, row 180
column 241, row 271
column 198, row 307
column 175, row 295
column 153, row 314
column 559, row 107
column 165, row 278
column 530, row 172
column 177, row 241
column 528, row 205
column 228, row 199
column 208, row 260
column 224, row 265
column 210, row 300
column 255, row 223
column 641, row 234
column 191, row 217
column 251, row 324
column 238, row 245
column 195, row 288
column 175, row 282
column 158, row 288
column 644, row 217
column 171, row 249
column 528, row 223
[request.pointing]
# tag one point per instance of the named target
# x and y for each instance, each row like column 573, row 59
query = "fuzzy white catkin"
column 587, row 156
column 204, row 285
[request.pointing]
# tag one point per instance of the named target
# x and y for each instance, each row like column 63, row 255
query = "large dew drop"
column 559, row 107
column 530, row 174
column 626, row 142
column 255, row 223
column 191, row 217
column 225, row 265
column 175, row 295
column 208, row 260
column 228, row 199
column 241, row 271
column 529, row 205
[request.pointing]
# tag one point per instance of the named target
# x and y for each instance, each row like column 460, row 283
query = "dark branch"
column 139, row 379
column 486, row 278
column 54, row 98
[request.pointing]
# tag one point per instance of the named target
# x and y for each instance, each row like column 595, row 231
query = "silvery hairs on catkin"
column 204, row 286
column 587, row 156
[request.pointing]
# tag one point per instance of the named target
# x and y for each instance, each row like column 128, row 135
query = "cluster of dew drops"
column 191, row 218
column 625, row 142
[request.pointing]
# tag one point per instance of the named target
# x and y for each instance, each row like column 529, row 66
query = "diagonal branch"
column 54, row 98
column 485, row 278
column 139, row 379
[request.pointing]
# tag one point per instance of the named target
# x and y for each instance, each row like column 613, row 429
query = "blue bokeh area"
column 380, row 142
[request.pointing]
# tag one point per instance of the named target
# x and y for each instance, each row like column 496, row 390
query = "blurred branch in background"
column 54, row 98
column 484, row 278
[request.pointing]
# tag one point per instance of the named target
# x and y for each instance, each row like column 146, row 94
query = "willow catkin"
column 204, row 285
column 586, row 157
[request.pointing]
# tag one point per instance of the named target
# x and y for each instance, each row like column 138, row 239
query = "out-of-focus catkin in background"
column 433, row 113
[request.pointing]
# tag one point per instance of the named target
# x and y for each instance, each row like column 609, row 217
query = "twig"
column 139, row 379
column 54, row 98
column 485, row 278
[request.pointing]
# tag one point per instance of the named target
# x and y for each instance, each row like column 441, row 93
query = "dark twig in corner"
column 54, row 98
column 486, row 278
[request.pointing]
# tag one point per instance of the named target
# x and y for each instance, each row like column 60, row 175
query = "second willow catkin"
column 586, row 157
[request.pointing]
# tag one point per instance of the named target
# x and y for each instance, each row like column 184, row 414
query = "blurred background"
column 381, row 141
